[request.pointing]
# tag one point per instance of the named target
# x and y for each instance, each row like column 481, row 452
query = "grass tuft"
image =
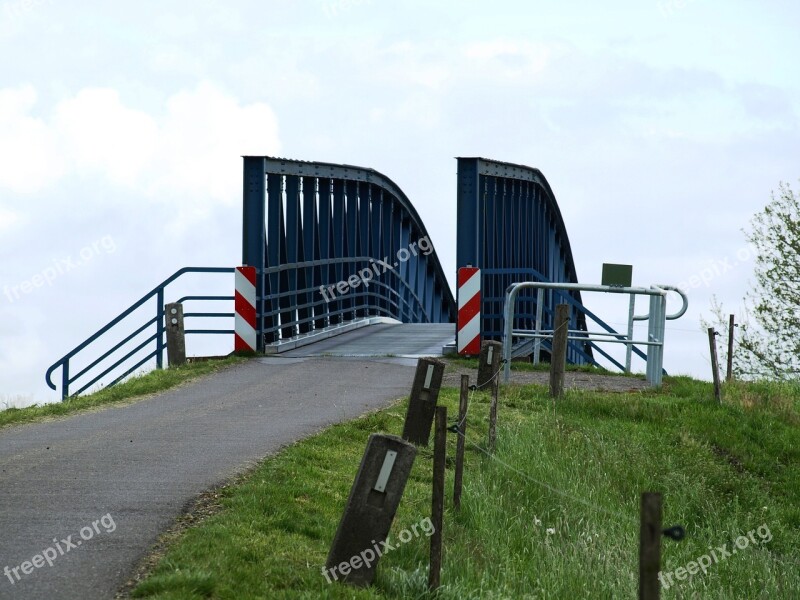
column 142, row 385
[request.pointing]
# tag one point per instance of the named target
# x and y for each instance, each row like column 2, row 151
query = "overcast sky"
column 661, row 127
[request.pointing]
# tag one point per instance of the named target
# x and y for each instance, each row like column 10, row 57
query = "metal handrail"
column 158, row 337
column 672, row 317
column 655, row 341
column 402, row 302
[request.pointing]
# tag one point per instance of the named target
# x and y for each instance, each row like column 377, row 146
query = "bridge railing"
column 126, row 343
column 289, row 313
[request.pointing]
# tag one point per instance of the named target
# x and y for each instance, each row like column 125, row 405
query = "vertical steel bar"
column 629, row 346
column 253, row 231
column 160, row 328
column 537, row 344
column 65, row 380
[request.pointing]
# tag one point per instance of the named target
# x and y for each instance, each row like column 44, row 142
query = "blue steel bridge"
column 337, row 247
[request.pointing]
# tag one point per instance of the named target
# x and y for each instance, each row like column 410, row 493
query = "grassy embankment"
column 554, row 516
column 135, row 387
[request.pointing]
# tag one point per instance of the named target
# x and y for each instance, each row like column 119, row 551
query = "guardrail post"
column 662, row 330
column 629, row 346
column 652, row 336
column 508, row 318
column 176, row 340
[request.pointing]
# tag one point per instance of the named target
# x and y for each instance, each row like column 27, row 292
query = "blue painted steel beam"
column 254, row 238
column 510, row 226
column 329, row 229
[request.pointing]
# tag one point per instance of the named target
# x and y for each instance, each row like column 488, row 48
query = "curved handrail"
column 64, row 360
column 677, row 315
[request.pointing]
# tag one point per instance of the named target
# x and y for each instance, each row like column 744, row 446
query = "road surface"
column 83, row 498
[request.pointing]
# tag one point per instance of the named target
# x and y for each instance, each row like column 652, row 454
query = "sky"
column 661, row 126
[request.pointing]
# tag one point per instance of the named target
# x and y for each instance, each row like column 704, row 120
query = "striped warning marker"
column 468, row 335
column 245, row 307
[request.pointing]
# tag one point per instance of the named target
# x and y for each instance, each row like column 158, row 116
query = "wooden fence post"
column 558, row 356
column 489, row 363
column 460, row 442
column 712, row 342
column 493, row 419
column 729, row 371
column 650, row 546
column 437, row 501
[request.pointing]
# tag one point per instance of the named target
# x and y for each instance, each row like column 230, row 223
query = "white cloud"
column 28, row 146
column 204, row 135
column 8, row 218
column 99, row 133
column 190, row 153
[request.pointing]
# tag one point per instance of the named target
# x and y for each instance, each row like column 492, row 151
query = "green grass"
column 555, row 516
column 141, row 385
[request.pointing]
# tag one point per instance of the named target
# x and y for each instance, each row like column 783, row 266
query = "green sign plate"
column 617, row 275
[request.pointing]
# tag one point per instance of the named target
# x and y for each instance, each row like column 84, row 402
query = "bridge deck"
column 405, row 340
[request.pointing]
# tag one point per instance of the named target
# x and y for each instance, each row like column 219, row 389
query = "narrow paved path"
column 83, row 498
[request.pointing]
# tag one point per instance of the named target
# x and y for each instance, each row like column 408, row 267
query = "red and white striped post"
column 468, row 332
column 245, row 335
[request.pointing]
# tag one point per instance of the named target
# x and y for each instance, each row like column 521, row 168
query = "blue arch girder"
column 314, row 229
column 510, row 226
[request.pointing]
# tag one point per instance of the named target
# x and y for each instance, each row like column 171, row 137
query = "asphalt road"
column 85, row 497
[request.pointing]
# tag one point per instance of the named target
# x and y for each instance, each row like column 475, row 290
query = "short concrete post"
column 422, row 402
column 489, row 363
column 368, row 515
column 176, row 340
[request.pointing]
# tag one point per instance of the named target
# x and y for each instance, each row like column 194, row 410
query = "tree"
column 768, row 337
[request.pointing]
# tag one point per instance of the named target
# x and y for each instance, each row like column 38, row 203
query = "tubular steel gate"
column 510, row 226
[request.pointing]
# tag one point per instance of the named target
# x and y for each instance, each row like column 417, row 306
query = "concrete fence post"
column 176, row 339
